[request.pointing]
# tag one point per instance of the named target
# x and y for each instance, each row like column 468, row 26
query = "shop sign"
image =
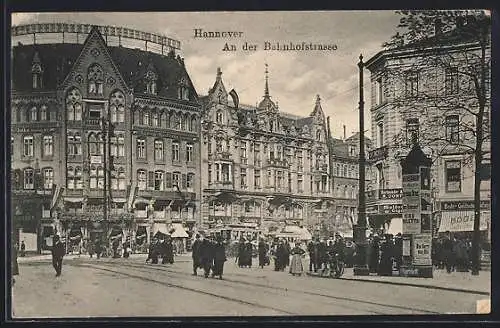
column 95, row 159
column 391, row 209
column 422, row 249
column 464, row 205
column 391, row 193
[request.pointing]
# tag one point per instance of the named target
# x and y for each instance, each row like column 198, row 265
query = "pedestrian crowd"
column 209, row 254
column 452, row 253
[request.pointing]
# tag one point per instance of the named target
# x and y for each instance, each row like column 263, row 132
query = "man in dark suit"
column 196, row 255
column 206, row 257
column 219, row 253
column 58, row 252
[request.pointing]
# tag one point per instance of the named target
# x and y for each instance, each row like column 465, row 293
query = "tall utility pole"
column 361, row 268
column 105, row 161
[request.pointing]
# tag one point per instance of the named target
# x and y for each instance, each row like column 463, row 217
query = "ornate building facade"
column 104, row 137
column 261, row 165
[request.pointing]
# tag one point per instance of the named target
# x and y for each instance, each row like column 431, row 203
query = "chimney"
column 438, row 26
column 344, row 132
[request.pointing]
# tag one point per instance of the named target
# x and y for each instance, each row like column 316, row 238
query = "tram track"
column 275, row 290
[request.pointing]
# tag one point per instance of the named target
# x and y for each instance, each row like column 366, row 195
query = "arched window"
column 192, row 124
column 73, row 105
column 178, row 120
column 95, row 80
column 156, row 119
column 36, row 71
column 318, row 135
column 100, row 142
column 117, row 106
column 33, row 114
column 43, row 113
column 183, row 122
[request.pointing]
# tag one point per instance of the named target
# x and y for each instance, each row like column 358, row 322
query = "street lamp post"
column 361, row 268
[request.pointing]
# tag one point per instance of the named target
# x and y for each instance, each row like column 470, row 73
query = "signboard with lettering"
column 95, row 159
column 390, row 209
column 464, row 205
column 411, row 223
column 425, row 201
column 391, row 193
column 422, row 249
column 378, row 154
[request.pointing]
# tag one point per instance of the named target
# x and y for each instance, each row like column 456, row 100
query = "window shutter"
column 151, row 180
column 184, row 181
column 168, row 179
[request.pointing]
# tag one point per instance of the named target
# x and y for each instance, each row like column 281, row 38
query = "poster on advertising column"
column 422, row 249
column 411, row 223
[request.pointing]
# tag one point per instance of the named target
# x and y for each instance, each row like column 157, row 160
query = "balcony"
column 166, row 194
column 226, row 185
column 94, row 122
column 378, row 154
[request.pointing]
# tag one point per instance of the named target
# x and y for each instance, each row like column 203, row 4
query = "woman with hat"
column 296, row 267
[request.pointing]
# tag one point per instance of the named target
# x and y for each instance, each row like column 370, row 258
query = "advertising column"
column 417, row 210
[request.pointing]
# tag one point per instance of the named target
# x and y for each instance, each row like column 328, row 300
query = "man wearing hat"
column 219, row 253
column 196, row 255
column 58, row 251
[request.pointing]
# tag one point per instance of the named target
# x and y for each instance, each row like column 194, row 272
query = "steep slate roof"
column 58, row 59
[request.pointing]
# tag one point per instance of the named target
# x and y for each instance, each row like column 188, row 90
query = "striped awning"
column 462, row 221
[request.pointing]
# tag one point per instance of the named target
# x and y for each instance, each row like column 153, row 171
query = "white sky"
column 295, row 77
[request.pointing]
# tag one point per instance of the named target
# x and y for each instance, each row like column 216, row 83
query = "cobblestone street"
column 130, row 287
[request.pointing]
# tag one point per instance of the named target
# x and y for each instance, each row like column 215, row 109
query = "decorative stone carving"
column 79, row 79
column 95, row 52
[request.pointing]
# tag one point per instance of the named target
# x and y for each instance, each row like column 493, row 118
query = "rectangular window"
column 412, row 131
column 121, row 146
column 159, row 180
column 243, row 177
column 141, row 179
column 269, row 178
column 217, row 172
column 141, row 148
column 380, row 134
column 29, row 179
column 175, row 151
column 257, row 179
column 28, row 146
column 48, row 178
column 279, row 179
column 209, row 173
column 300, row 183
column 113, row 146
column 190, row 180
column 451, row 80
column 411, row 84
column 189, row 153
column 159, row 150
column 379, row 91
column 176, row 177
column 243, row 149
column 452, row 129
column 453, row 176
column 48, row 145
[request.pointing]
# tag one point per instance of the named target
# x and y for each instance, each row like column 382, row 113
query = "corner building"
column 260, row 165
column 413, row 98
column 66, row 98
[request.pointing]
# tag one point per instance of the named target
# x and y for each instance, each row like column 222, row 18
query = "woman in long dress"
column 296, row 267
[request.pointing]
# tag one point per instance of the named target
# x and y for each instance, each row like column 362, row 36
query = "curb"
column 460, row 290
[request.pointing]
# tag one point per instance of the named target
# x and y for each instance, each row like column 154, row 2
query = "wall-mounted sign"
column 378, row 154
column 464, row 205
column 391, row 193
column 390, row 209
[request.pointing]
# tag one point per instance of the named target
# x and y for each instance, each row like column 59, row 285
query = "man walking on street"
column 57, row 255
column 196, row 255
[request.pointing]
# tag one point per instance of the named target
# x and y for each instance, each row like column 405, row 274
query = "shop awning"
column 179, row 232
column 140, row 200
column 160, row 227
column 462, row 221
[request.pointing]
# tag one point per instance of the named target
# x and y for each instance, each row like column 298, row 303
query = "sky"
column 295, row 77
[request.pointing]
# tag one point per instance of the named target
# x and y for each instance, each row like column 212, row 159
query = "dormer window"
column 219, row 117
column 36, row 71
column 318, row 135
column 95, row 80
column 151, row 79
column 183, row 91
